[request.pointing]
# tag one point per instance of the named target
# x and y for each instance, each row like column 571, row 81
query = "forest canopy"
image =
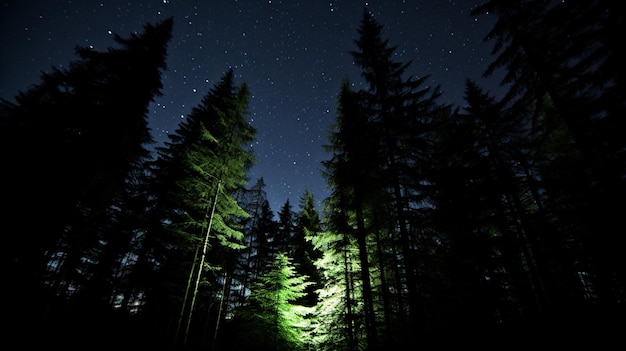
column 496, row 221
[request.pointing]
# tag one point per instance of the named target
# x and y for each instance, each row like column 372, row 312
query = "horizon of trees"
column 498, row 222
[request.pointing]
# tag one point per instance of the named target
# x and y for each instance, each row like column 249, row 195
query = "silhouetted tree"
column 351, row 174
column 73, row 148
column 304, row 254
column 402, row 111
column 562, row 75
column 286, row 225
column 257, row 229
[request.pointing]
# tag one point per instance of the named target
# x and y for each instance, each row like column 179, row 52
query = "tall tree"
column 72, row 146
column 482, row 212
column 258, row 228
column 198, row 174
column 351, row 174
column 402, row 110
column 557, row 70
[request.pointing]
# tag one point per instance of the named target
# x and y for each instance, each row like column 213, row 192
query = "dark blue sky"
column 292, row 53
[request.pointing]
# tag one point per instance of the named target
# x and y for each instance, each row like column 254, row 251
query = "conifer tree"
column 337, row 323
column 255, row 228
column 272, row 319
column 562, row 75
column 481, row 212
column 76, row 141
column 397, row 116
column 352, row 173
column 308, row 224
column 285, row 229
column 197, row 174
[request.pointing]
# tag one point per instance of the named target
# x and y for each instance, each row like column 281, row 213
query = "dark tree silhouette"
column 71, row 149
column 498, row 222
column 562, row 75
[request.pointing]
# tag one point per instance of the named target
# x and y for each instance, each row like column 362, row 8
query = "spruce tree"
column 304, row 254
column 272, row 320
column 401, row 110
column 197, row 174
column 285, row 229
column 562, row 75
column 77, row 140
column 352, row 173
column 255, row 228
column 337, row 322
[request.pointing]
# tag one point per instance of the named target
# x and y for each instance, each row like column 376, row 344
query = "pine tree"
column 285, row 229
column 337, row 322
column 399, row 114
column 272, row 319
column 351, row 173
column 257, row 228
column 197, row 175
column 562, row 75
column 482, row 215
column 304, row 254
column 86, row 127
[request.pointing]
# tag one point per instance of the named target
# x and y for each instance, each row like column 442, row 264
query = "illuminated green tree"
column 196, row 216
column 337, row 323
column 272, row 320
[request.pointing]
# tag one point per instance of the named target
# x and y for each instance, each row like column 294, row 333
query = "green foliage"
column 335, row 323
column 198, row 174
column 210, row 147
column 273, row 321
column 502, row 219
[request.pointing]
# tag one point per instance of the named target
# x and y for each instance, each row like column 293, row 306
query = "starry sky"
column 293, row 54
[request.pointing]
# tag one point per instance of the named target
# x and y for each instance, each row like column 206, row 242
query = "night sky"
column 292, row 53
